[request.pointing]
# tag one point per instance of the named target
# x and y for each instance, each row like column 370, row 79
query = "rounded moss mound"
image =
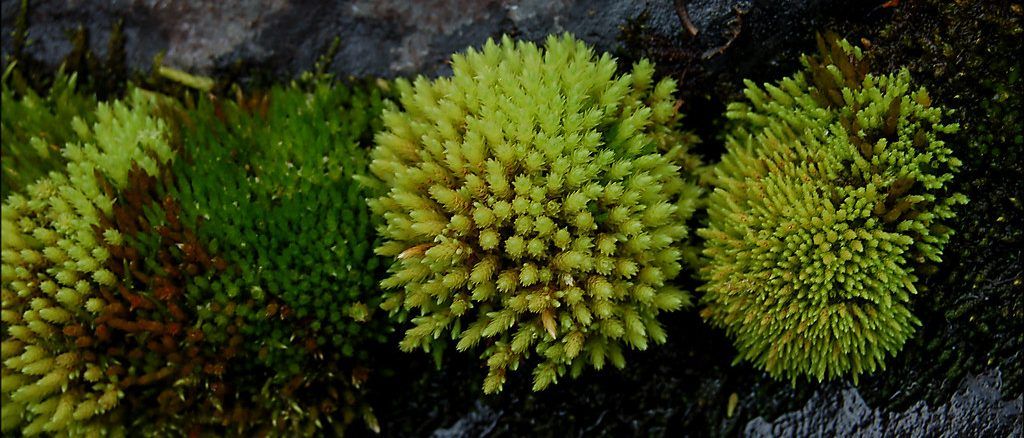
column 267, row 186
column 828, row 205
column 529, row 209
column 70, row 349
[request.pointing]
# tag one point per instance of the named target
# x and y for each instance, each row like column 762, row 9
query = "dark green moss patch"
column 972, row 307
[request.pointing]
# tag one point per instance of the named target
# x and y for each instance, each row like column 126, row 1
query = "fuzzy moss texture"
column 829, row 203
column 174, row 268
column 184, row 269
column 35, row 127
column 269, row 186
column 56, row 281
column 530, row 213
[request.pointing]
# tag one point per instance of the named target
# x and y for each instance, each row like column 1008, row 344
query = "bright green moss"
column 57, row 288
column 530, row 213
column 34, row 128
column 828, row 204
column 203, row 270
column 269, row 187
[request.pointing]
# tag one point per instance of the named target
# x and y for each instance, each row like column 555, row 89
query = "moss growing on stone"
column 829, row 205
column 530, row 213
column 948, row 47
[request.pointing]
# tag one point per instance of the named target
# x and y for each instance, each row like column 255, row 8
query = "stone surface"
column 479, row 422
column 395, row 37
column 379, row 38
column 976, row 409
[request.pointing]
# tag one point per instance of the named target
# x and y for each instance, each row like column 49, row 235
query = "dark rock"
column 379, row 38
column 391, row 37
column 479, row 423
column 976, row 409
column 735, row 40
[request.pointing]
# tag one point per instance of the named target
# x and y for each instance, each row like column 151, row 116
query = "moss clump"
column 829, row 203
column 267, row 184
column 201, row 270
column 529, row 209
column 70, row 350
column 972, row 312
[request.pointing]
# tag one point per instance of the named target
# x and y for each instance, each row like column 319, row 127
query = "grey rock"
column 479, row 422
column 976, row 409
column 389, row 38
column 379, row 37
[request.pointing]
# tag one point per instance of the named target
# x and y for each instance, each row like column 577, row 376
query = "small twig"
column 201, row 83
column 684, row 16
column 736, row 25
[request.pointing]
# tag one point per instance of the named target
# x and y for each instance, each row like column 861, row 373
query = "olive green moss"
column 201, row 269
column 56, row 285
column 830, row 202
column 530, row 213
column 187, row 350
column 970, row 309
column 268, row 185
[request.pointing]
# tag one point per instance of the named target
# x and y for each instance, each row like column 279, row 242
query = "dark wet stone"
column 392, row 37
column 479, row 422
column 379, row 38
column 976, row 409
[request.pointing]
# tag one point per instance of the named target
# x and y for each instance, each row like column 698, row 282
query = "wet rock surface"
column 976, row 409
column 395, row 37
column 379, row 38
column 960, row 375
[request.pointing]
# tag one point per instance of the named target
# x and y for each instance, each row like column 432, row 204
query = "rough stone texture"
column 976, row 409
column 397, row 37
column 379, row 37
column 481, row 421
